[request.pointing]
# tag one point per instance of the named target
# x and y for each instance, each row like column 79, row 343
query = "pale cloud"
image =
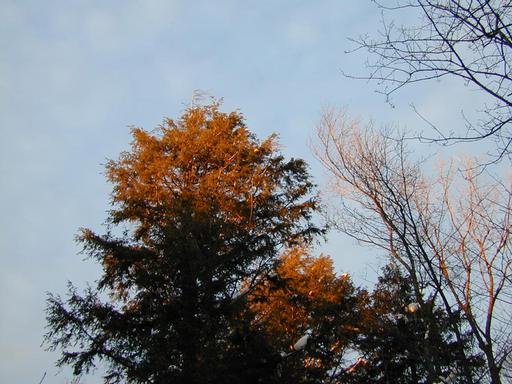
column 302, row 33
column 121, row 28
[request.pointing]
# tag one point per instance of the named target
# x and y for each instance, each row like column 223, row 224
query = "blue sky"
column 74, row 75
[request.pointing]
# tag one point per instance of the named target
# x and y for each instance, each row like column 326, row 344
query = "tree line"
column 209, row 277
column 208, row 266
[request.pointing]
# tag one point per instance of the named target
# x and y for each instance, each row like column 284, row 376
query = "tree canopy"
column 208, row 275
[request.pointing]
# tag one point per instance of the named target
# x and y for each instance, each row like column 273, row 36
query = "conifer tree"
column 202, row 206
column 401, row 342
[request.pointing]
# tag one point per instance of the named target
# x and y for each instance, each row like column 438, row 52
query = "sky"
column 76, row 75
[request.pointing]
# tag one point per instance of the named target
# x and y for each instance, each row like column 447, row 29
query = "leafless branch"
column 451, row 232
column 466, row 39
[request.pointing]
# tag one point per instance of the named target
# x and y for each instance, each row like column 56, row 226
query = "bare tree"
column 450, row 232
column 467, row 39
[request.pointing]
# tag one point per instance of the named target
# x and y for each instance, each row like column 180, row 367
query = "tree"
column 199, row 206
column 306, row 298
column 401, row 343
column 455, row 250
column 468, row 40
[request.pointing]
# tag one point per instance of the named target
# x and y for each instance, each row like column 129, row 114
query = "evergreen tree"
column 401, row 342
column 202, row 206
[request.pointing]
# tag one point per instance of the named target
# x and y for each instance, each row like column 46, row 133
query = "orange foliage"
column 206, row 163
column 305, row 286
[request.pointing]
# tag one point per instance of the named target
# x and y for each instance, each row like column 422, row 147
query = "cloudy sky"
column 74, row 75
